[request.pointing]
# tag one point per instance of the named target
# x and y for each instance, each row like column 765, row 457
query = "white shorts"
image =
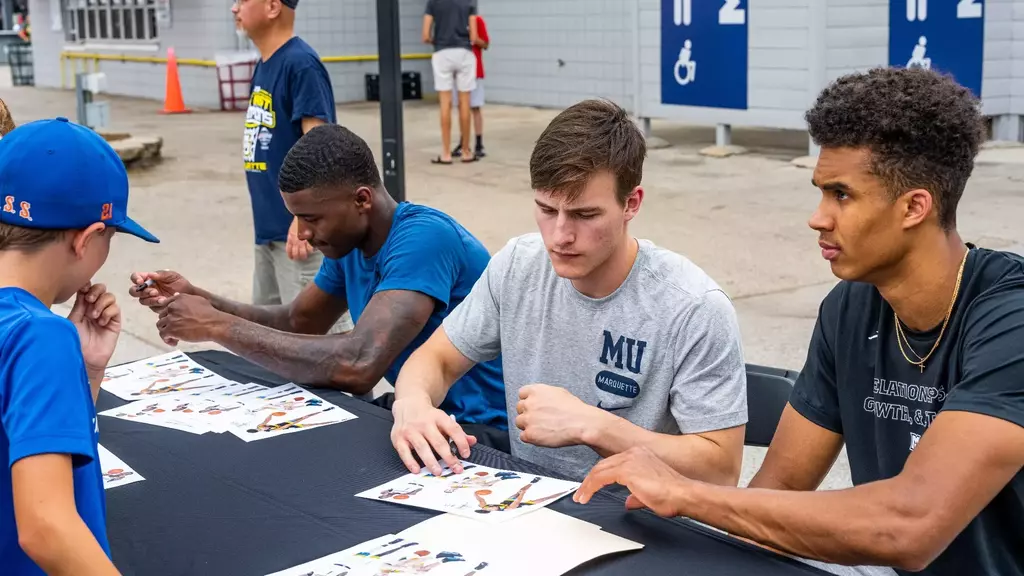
column 454, row 69
column 476, row 97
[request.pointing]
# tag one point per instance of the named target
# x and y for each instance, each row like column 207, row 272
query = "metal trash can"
column 19, row 57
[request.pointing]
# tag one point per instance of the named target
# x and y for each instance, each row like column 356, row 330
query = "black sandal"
column 439, row 161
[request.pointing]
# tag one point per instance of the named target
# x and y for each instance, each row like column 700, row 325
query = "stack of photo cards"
column 175, row 392
column 486, row 494
column 550, row 543
column 115, row 471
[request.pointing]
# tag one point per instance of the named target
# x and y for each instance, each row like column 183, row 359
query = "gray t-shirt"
column 663, row 351
column 451, row 22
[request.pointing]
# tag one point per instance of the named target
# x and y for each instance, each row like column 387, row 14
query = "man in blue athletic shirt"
column 398, row 268
column 64, row 193
column 290, row 93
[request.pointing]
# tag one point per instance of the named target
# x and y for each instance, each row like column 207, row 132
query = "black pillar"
column 8, row 14
column 389, row 42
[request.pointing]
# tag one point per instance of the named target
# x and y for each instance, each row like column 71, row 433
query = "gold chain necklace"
column 901, row 337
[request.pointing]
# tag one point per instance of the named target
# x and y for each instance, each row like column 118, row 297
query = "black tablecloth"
column 213, row 504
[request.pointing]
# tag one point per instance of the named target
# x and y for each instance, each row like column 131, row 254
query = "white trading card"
column 115, row 471
column 480, row 492
column 267, row 424
column 207, row 413
column 340, row 563
column 170, row 412
column 390, row 555
column 168, row 374
column 237, row 390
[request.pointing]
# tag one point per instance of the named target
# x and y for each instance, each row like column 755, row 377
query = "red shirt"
column 481, row 31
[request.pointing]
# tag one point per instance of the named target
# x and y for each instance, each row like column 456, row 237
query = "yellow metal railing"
column 86, row 57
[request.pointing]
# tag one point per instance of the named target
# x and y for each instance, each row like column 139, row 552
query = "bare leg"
column 467, row 152
column 478, row 121
column 445, row 99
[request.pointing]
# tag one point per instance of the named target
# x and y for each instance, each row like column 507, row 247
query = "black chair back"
column 768, row 391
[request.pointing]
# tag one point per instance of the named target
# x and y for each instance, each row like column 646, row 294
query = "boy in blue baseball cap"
column 63, row 195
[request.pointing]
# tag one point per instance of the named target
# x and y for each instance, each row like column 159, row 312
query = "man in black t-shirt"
column 916, row 361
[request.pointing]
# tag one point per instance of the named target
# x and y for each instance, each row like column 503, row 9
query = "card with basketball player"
column 115, row 471
column 479, row 492
column 279, row 414
column 170, row 373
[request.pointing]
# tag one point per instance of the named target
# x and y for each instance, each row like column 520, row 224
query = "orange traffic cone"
column 173, row 101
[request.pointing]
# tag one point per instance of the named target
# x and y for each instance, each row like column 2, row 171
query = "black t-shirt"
column 857, row 383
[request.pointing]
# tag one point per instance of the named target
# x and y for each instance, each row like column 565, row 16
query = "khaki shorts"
column 277, row 279
column 454, row 69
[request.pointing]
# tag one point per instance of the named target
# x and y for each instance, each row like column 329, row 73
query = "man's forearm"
column 341, row 361
column 277, row 317
column 691, row 455
column 425, row 375
column 867, row 525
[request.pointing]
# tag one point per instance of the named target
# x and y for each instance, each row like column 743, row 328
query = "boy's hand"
column 165, row 284
column 98, row 319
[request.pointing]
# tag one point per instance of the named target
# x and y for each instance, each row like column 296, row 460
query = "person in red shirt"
column 476, row 97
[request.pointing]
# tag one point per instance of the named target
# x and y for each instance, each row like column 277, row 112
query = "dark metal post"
column 389, row 42
column 8, row 14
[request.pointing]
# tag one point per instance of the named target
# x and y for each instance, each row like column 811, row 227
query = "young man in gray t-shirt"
column 607, row 342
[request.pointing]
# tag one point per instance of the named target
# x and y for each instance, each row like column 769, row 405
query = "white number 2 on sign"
column 968, row 9
column 730, row 14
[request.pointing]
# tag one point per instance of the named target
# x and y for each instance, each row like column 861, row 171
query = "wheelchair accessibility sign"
column 943, row 35
column 704, row 53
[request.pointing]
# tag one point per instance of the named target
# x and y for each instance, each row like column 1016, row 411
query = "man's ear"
column 633, row 201
column 917, row 206
column 274, row 8
column 86, row 236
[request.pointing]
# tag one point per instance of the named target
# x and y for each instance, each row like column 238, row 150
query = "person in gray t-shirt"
column 607, row 342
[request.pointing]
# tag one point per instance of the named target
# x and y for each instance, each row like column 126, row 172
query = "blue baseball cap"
column 55, row 174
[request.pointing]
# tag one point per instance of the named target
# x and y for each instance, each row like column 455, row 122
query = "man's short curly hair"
column 328, row 156
column 922, row 128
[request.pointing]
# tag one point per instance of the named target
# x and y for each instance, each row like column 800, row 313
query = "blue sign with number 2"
column 943, row 35
column 704, row 53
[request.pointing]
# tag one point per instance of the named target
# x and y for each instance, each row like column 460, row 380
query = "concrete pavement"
column 743, row 218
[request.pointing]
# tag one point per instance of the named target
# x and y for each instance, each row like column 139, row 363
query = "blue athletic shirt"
column 291, row 85
column 46, row 407
column 426, row 251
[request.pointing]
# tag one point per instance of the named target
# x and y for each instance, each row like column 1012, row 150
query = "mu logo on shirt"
column 622, row 353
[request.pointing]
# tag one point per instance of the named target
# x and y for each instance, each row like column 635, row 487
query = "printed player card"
column 483, row 493
column 115, row 471
column 170, row 412
column 158, row 376
column 284, row 410
column 390, row 555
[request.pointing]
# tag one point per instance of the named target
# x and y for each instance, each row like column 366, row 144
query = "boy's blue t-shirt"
column 46, row 407
column 291, row 85
column 426, row 251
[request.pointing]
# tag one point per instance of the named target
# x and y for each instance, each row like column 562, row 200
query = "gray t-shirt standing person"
column 607, row 342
